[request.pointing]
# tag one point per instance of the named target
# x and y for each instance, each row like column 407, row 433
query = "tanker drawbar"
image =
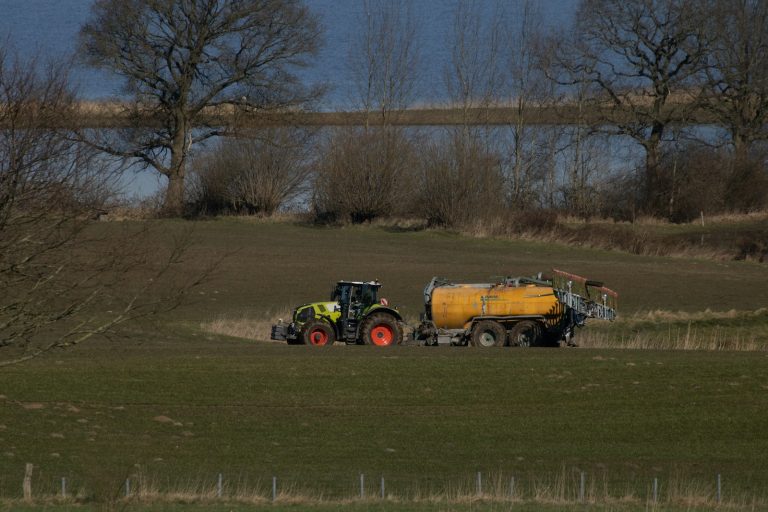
column 517, row 311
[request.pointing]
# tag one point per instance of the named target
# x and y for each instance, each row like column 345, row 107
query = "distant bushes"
column 455, row 179
column 255, row 175
column 459, row 182
column 362, row 175
column 700, row 179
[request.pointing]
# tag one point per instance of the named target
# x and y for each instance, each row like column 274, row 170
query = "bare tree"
column 460, row 181
column 384, row 59
column 738, row 70
column 459, row 176
column 257, row 174
column 183, row 58
column 585, row 155
column 643, row 58
column 531, row 150
column 64, row 277
column 363, row 173
column 473, row 77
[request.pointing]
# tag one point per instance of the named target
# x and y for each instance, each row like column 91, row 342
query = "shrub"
column 255, row 175
column 363, row 174
column 702, row 179
column 459, row 182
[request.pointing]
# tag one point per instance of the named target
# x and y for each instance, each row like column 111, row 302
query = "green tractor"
column 354, row 315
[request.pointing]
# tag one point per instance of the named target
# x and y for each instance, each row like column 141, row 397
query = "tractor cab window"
column 342, row 293
column 361, row 295
column 368, row 294
column 355, row 293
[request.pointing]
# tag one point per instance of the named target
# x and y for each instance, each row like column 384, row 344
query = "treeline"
column 649, row 66
column 637, row 74
column 444, row 179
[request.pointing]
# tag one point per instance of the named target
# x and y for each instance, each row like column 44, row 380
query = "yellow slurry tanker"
column 520, row 311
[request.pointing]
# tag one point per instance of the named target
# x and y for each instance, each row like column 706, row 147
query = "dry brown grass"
column 647, row 237
column 275, row 218
column 668, row 330
column 250, row 328
column 686, row 316
column 722, row 218
column 561, row 489
column 724, row 237
column 675, row 340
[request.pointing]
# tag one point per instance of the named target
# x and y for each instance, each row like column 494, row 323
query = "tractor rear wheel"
column 525, row 334
column 487, row 333
column 317, row 333
column 382, row 330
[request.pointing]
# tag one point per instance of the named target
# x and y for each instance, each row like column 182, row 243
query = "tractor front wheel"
column 317, row 333
column 382, row 330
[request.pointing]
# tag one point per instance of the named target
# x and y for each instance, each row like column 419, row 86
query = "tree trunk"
column 653, row 200
column 173, row 206
column 174, row 195
column 740, row 144
column 651, row 178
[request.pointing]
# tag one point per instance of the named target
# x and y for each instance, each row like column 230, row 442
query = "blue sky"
column 50, row 27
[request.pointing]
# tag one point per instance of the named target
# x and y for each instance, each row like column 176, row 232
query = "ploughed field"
column 171, row 404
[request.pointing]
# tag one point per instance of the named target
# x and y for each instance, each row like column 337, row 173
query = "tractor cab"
column 356, row 292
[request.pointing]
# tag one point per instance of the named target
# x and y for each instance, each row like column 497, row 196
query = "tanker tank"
column 519, row 311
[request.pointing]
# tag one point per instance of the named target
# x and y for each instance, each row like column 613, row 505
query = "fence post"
column 655, row 490
column 220, row 486
column 479, row 484
column 582, row 487
column 63, row 487
column 719, row 489
column 512, row 487
column 362, row 486
column 27, row 485
column 382, row 487
column 274, row 488
column 127, row 487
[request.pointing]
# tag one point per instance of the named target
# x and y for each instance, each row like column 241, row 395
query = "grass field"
column 273, row 266
column 171, row 405
column 423, row 418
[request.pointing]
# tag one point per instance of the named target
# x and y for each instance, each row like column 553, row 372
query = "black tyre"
column 487, row 333
column 317, row 333
column 382, row 330
column 525, row 334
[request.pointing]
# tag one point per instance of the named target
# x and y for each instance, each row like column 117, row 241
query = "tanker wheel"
column 317, row 333
column 488, row 333
column 382, row 330
column 525, row 334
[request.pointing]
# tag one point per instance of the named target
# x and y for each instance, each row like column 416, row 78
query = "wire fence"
column 572, row 487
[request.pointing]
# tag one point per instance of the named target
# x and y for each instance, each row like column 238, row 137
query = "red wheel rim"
column 382, row 335
column 318, row 337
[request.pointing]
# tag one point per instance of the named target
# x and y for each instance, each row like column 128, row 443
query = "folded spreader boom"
column 584, row 296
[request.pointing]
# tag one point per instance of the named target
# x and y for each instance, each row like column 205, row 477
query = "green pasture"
column 171, row 406
column 177, row 412
column 274, row 266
